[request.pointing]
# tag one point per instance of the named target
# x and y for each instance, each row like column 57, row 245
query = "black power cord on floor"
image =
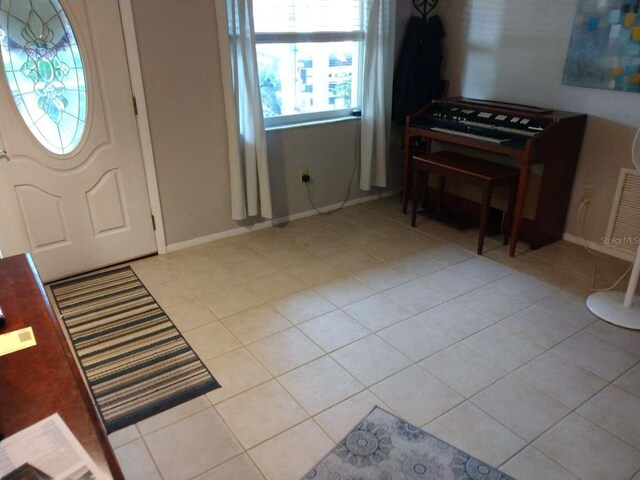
column 353, row 174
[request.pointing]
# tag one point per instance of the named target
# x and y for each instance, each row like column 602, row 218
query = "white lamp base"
column 609, row 307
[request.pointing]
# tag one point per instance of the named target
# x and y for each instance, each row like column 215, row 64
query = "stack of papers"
column 47, row 449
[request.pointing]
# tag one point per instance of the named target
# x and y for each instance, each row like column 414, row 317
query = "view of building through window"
column 306, row 63
column 308, row 77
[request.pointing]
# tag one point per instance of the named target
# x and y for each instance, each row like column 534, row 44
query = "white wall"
column 514, row 50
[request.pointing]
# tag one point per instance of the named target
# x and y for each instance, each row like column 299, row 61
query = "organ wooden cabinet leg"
column 415, row 192
column 441, row 184
column 507, row 220
column 519, row 208
column 484, row 216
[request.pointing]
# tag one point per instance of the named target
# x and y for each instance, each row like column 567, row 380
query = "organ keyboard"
column 477, row 135
column 530, row 135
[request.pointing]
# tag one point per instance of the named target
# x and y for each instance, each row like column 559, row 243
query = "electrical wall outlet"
column 589, row 194
column 304, row 174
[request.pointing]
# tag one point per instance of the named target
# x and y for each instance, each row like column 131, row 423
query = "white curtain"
column 376, row 92
column 250, row 189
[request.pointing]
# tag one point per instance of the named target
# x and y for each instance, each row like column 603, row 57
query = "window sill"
column 310, row 123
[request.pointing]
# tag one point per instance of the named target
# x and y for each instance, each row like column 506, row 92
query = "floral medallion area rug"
column 385, row 447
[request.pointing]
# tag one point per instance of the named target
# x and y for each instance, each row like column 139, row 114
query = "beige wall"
column 179, row 54
column 511, row 50
column 514, row 50
column 180, row 66
column 328, row 151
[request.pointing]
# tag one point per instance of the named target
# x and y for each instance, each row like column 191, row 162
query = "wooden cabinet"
column 41, row 380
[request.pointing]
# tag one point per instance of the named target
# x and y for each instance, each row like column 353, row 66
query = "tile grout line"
column 571, row 410
column 375, row 333
column 510, row 372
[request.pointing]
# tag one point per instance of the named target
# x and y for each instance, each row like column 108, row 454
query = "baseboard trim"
column 598, row 247
column 174, row 247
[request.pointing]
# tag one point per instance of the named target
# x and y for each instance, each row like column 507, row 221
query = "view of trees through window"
column 302, row 71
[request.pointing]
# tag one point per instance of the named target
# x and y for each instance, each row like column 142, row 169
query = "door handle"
column 4, row 154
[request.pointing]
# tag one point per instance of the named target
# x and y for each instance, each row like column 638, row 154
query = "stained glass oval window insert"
column 45, row 71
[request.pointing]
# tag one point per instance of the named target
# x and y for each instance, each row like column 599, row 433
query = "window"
column 309, row 56
column 43, row 66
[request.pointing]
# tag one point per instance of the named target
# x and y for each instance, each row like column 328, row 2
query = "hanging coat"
column 417, row 78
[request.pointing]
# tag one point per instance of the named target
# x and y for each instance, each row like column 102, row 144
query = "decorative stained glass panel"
column 44, row 68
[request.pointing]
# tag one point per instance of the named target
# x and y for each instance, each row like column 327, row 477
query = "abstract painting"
column 604, row 50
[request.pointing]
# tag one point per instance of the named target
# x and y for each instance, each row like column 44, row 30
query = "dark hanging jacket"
column 417, row 81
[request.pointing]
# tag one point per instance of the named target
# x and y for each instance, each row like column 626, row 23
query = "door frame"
column 142, row 119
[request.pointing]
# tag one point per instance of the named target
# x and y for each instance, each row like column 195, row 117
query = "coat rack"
column 425, row 7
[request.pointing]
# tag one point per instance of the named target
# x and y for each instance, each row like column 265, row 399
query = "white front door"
column 78, row 201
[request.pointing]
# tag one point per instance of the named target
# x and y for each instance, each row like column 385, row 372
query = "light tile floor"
column 308, row 325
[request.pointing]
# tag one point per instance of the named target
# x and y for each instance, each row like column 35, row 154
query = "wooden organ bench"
column 483, row 174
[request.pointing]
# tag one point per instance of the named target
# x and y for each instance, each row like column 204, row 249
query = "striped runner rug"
column 135, row 361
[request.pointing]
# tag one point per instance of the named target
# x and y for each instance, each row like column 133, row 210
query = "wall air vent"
column 623, row 232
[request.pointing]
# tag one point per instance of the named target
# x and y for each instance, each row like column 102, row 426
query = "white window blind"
column 307, row 15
